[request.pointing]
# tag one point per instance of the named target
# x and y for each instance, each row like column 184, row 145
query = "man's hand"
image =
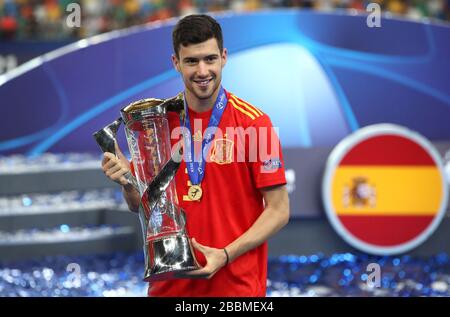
column 115, row 168
column 215, row 260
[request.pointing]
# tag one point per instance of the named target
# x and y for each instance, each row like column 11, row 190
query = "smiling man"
column 200, row 65
column 234, row 195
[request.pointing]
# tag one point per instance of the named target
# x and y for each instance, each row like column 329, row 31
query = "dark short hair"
column 194, row 29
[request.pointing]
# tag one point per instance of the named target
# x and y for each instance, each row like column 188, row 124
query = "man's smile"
column 203, row 82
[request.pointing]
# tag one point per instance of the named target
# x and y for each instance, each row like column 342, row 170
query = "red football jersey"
column 244, row 156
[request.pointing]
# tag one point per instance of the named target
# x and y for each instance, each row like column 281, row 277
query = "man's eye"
column 191, row 61
column 211, row 59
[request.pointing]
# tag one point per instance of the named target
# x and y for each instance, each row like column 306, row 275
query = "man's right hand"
column 115, row 168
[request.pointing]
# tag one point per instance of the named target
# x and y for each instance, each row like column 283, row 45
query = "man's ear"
column 224, row 57
column 176, row 62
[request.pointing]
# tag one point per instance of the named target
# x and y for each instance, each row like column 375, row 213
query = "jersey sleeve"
column 268, row 166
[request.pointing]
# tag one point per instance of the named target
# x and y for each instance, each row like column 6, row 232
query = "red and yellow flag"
column 386, row 191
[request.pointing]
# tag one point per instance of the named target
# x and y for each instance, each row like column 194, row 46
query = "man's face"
column 201, row 65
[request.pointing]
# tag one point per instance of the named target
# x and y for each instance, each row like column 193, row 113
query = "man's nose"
column 202, row 70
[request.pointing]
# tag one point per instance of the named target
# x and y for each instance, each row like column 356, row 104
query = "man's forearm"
column 267, row 224
column 132, row 197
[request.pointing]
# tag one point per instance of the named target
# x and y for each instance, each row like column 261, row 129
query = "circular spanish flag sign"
column 384, row 189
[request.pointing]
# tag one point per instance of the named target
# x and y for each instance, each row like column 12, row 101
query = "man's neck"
column 201, row 105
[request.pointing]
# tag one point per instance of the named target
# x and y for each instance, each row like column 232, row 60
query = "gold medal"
column 195, row 192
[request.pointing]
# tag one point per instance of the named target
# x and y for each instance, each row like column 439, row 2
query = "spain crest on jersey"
column 222, row 152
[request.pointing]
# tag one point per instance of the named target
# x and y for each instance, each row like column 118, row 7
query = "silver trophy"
column 167, row 247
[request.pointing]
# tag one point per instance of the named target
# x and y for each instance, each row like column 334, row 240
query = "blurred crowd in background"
column 46, row 19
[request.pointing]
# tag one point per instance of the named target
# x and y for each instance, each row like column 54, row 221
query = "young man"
column 237, row 198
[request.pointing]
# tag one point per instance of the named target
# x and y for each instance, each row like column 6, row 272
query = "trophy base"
column 169, row 255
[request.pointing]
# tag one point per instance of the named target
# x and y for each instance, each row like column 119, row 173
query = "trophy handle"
column 175, row 104
column 106, row 138
column 131, row 180
column 162, row 180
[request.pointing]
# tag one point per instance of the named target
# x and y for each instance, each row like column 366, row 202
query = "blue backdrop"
column 319, row 76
